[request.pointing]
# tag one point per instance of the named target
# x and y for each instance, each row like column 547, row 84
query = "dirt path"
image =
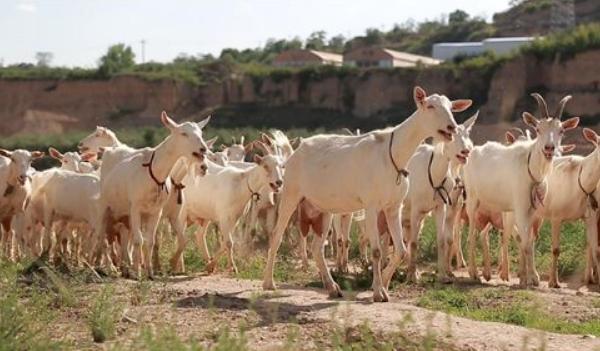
column 311, row 308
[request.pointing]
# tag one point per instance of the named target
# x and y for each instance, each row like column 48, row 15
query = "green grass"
column 566, row 44
column 104, row 314
column 25, row 314
column 505, row 306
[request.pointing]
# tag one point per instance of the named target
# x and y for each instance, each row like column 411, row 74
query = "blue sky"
column 78, row 32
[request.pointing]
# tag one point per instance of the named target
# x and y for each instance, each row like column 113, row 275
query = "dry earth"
column 201, row 306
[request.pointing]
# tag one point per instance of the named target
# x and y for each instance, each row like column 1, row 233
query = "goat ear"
column 37, row 154
column 242, row 140
column 167, row 121
column 264, row 147
column 419, row 95
column 89, row 156
column 590, row 136
column 265, row 139
column 55, row 153
column 571, row 123
column 204, row 122
column 5, row 153
column 357, row 131
column 461, row 105
column 222, row 147
column 471, row 121
column 258, row 159
column 211, row 142
column 347, row 131
column 530, row 120
column 510, row 138
column 567, row 148
column 296, row 142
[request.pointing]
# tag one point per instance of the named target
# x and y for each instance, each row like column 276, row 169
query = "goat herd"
column 105, row 212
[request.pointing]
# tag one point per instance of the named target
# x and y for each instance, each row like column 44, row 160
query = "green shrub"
column 104, row 314
column 565, row 44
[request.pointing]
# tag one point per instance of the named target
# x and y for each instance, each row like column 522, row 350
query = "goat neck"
column 407, row 136
column 539, row 166
column 439, row 164
column 165, row 156
column 590, row 171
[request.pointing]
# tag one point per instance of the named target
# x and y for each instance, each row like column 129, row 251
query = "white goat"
column 432, row 173
column 319, row 170
column 221, row 196
column 520, row 171
column 563, row 203
column 137, row 189
column 15, row 192
column 236, row 152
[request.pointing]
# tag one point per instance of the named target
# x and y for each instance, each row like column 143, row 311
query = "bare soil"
column 200, row 307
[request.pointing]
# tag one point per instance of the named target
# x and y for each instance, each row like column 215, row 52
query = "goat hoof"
column 211, row 267
column 269, row 285
column 487, row 276
column 125, row 273
column 444, row 279
column 553, row 284
column 335, row 291
column 504, row 276
column 380, row 295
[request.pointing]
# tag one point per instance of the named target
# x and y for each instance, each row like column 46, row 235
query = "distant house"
column 499, row 46
column 448, row 51
column 301, row 58
column 367, row 57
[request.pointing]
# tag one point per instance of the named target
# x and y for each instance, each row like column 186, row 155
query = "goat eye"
column 184, row 134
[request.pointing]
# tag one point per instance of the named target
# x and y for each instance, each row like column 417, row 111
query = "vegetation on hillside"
column 566, row 44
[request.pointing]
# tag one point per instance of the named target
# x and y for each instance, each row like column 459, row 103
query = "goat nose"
column 203, row 167
column 549, row 147
column 203, row 150
column 279, row 182
column 451, row 128
column 465, row 152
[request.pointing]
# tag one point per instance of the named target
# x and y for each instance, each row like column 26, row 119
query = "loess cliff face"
column 42, row 106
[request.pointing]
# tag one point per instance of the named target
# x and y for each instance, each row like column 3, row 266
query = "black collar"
column 440, row 189
column 160, row 184
column 590, row 195
column 399, row 171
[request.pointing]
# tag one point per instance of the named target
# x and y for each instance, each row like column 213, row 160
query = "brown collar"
column 160, row 184
column 179, row 188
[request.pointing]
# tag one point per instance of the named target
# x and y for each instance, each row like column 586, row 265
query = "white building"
column 499, row 46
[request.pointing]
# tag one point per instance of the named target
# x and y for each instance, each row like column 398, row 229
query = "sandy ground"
column 308, row 305
column 201, row 306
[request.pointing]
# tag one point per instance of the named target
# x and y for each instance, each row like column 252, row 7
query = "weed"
column 104, row 315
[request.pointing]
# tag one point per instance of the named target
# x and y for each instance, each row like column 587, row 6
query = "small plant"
column 140, row 293
column 104, row 315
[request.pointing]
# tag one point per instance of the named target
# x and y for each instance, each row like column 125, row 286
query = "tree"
column 118, row 58
column 43, row 58
column 458, row 16
column 374, row 37
column 337, row 43
column 316, row 40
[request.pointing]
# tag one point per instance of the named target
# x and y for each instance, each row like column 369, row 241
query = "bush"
column 566, row 44
column 104, row 315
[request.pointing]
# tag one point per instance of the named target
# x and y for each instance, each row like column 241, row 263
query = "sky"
column 78, row 32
